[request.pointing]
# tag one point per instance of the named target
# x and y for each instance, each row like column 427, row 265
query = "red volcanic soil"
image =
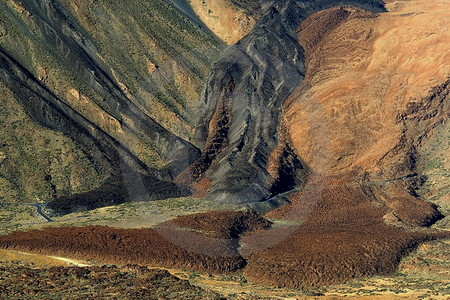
column 341, row 235
column 353, row 114
column 206, row 242
column 223, row 224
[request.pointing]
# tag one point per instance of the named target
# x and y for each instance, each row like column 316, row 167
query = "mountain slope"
column 107, row 76
column 369, row 106
column 334, row 109
column 130, row 97
column 243, row 99
column 372, row 94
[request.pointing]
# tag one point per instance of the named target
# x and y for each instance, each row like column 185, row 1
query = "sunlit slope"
column 230, row 20
column 368, row 101
column 120, row 79
column 369, row 126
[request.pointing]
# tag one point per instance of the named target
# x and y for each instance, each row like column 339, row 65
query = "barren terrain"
column 353, row 120
column 363, row 73
column 207, row 242
column 343, row 119
column 230, row 22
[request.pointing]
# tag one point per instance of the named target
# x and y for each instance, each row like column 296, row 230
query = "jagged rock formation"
column 249, row 85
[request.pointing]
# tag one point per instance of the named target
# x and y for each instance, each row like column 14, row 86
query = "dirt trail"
column 40, row 260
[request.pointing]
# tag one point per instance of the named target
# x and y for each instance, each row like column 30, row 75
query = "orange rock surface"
column 361, row 74
column 226, row 20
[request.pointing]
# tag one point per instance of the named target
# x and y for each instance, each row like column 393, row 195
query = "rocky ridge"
column 249, row 85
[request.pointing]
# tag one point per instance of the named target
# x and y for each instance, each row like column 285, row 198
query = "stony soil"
column 108, row 282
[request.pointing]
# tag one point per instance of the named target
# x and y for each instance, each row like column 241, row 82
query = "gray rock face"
column 249, row 85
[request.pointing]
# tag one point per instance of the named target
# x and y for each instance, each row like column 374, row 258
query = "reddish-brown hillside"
column 346, row 153
column 206, row 242
column 335, row 234
column 376, row 87
column 364, row 72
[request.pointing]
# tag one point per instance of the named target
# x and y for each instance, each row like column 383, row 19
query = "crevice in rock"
column 218, row 131
column 289, row 164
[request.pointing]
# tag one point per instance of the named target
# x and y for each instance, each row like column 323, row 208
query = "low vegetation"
column 17, row 216
column 19, row 281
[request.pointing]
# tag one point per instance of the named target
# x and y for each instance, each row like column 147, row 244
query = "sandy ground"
column 224, row 19
column 39, row 260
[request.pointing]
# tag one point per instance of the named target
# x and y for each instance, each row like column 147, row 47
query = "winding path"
column 38, row 207
column 41, row 213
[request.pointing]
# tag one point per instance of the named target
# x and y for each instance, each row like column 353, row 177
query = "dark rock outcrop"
column 265, row 67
